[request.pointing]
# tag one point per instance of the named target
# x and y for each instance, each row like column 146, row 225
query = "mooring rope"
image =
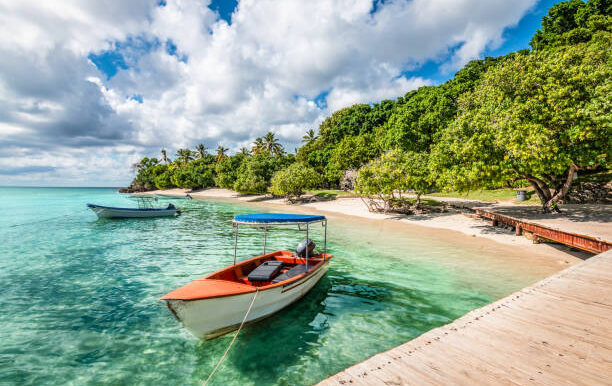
column 233, row 340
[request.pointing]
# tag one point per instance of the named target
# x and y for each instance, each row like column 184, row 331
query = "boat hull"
column 212, row 317
column 107, row 212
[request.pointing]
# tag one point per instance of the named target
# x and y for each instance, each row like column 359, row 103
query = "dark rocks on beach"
column 134, row 189
column 590, row 193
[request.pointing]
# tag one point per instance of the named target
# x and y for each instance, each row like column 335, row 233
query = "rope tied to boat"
column 233, row 339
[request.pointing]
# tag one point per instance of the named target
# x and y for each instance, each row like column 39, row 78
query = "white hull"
column 209, row 318
column 103, row 212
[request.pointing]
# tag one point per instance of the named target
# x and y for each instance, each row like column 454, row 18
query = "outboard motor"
column 301, row 248
column 171, row 206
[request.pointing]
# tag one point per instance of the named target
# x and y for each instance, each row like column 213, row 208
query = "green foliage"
column 393, row 173
column 255, row 173
column 185, row 155
column 351, row 153
column 145, row 175
column 294, row 180
column 163, row 177
column 227, row 170
column 572, row 22
column 193, row 175
column 420, row 115
column 534, row 117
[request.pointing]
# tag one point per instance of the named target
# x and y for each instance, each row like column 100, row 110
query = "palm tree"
column 164, row 157
column 258, row 145
column 271, row 144
column 221, row 153
column 184, row 155
column 309, row 136
column 245, row 151
column 201, row 151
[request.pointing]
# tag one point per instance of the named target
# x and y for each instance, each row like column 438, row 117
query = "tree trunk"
column 417, row 202
column 550, row 201
column 551, row 205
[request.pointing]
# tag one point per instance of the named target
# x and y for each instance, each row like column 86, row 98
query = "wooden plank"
column 555, row 332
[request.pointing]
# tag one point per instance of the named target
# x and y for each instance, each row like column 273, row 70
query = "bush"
column 294, row 180
column 194, row 175
column 255, row 172
column 227, row 171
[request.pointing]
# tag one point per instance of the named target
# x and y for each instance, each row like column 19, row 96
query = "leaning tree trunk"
column 550, row 200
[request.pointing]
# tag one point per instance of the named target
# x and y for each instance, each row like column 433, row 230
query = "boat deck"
column 555, row 332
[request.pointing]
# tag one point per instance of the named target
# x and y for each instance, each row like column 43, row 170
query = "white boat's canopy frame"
column 305, row 221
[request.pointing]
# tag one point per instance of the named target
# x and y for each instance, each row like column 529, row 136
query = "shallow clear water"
column 79, row 295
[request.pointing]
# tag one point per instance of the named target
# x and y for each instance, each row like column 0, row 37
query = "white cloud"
column 225, row 83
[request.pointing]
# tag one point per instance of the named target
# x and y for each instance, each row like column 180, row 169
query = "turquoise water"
column 79, row 295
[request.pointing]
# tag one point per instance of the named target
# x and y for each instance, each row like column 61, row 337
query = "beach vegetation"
column 541, row 117
column 384, row 181
column 226, row 170
column 293, row 181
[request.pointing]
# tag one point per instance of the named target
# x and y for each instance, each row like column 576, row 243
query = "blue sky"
column 88, row 88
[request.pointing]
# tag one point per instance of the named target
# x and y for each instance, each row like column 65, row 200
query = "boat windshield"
column 144, row 202
column 268, row 220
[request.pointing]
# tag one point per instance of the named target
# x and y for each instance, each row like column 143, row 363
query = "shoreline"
column 454, row 224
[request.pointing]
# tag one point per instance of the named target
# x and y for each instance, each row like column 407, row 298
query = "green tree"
column 309, row 136
column 386, row 178
column 201, row 151
column 164, row 157
column 294, row 180
column 350, row 153
column 221, row 153
column 272, row 145
column 572, row 22
column 255, row 172
column 145, row 175
column 258, row 146
column 194, row 175
column 538, row 116
column 163, row 177
column 184, row 155
column 226, row 171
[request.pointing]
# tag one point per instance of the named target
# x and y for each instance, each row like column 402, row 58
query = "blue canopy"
column 277, row 218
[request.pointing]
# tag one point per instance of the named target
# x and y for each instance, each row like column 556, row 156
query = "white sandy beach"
column 454, row 220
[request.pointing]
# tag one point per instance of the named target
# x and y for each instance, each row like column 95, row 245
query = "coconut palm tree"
column 258, row 146
column 309, row 136
column 164, row 157
column 184, row 155
column 271, row 144
column 201, row 151
column 221, row 153
column 245, row 151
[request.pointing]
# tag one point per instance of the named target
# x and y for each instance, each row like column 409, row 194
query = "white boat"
column 252, row 289
column 145, row 209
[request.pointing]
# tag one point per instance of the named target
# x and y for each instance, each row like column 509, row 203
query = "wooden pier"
column 540, row 232
column 555, row 332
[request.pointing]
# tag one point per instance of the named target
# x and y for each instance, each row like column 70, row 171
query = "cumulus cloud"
column 187, row 76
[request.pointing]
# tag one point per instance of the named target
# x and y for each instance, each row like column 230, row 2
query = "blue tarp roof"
column 267, row 218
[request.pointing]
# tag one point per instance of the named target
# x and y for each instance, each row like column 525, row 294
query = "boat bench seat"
column 265, row 271
column 297, row 270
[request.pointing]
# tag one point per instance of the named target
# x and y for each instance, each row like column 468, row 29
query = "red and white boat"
column 253, row 289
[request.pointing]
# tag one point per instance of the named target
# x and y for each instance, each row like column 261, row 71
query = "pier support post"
column 517, row 230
